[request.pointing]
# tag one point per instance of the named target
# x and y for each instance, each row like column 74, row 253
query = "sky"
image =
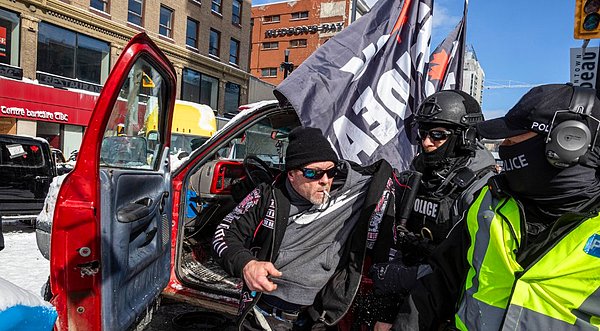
column 522, row 41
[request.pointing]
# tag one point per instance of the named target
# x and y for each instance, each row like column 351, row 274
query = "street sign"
column 584, row 66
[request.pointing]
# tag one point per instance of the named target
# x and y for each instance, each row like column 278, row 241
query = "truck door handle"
column 135, row 211
column 163, row 201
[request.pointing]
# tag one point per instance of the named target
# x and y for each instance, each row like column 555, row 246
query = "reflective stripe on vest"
column 492, row 262
column 560, row 291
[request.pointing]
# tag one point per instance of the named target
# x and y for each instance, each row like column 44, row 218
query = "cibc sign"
column 34, row 114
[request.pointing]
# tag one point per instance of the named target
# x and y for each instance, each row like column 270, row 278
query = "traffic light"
column 587, row 19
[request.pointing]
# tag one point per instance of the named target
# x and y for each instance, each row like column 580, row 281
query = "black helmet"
column 453, row 107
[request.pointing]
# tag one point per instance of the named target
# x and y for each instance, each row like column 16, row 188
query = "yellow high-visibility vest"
column 559, row 291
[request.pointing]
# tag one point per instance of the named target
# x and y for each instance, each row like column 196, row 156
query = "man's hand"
column 255, row 276
column 382, row 326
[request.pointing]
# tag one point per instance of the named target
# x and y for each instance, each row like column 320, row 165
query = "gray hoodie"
column 310, row 250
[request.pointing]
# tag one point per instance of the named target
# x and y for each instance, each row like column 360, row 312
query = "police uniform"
column 451, row 175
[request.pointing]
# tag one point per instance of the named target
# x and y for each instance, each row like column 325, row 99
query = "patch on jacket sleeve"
column 378, row 213
column 269, row 220
column 219, row 244
column 249, row 201
column 592, row 247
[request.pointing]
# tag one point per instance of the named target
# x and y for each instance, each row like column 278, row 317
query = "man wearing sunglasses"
column 454, row 165
column 526, row 256
column 299, row 242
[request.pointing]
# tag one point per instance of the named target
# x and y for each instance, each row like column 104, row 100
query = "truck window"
column 21, row 155
column 141, row 101
column 256, row 141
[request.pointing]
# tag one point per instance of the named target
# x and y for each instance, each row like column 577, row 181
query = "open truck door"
column 110, row 252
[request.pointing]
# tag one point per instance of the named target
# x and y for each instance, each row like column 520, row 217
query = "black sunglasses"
column 434, row 134
column 309, row 173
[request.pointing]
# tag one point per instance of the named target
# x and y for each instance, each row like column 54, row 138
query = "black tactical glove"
column 416, row 250
column 392, row 277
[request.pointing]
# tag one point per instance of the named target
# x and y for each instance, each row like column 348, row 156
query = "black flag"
column 361, row 87
column 445, row 65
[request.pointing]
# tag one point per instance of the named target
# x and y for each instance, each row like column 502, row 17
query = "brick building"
column 55, row 55
column 299, row 27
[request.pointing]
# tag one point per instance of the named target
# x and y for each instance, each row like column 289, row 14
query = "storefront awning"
column 42, row 103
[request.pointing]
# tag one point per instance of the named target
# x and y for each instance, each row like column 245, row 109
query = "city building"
column 55, row 55
column 285, row 33
column 473, row 75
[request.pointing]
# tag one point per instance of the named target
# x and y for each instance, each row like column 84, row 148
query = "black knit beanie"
column 307, row 145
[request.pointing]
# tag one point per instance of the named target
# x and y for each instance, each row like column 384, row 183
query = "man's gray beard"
column 323, row 201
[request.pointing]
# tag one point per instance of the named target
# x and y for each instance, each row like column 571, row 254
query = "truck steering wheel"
column 257, row 170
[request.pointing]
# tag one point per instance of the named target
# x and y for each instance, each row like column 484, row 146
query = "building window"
column 216, row 6
column 268, row 72
column 297, row 43
column 270, row 45
column 73, row 55
column 234, row 51
column 101, row 5
column 232, row 97
column 236, row 12
column 134, row 12
column 191, row 34
column 214, row 42
column 165, row 27
column 271, row 19
column 300, row 15
column 199, row 88
column 9, row 38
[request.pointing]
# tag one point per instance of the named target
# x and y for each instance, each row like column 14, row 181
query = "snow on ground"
column 22, row 264
column 13, row 295
column 20, row 261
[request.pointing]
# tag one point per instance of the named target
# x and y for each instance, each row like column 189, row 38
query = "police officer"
column 527, row 254
column 454, row 165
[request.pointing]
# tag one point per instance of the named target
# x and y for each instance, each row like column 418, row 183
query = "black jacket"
column 252, row 231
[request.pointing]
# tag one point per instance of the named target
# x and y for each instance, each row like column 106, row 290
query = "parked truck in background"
column 26, row 170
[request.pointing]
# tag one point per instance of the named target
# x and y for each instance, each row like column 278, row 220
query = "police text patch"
column 427, row 208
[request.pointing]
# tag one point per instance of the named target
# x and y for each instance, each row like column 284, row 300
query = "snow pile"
column 23, row 310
